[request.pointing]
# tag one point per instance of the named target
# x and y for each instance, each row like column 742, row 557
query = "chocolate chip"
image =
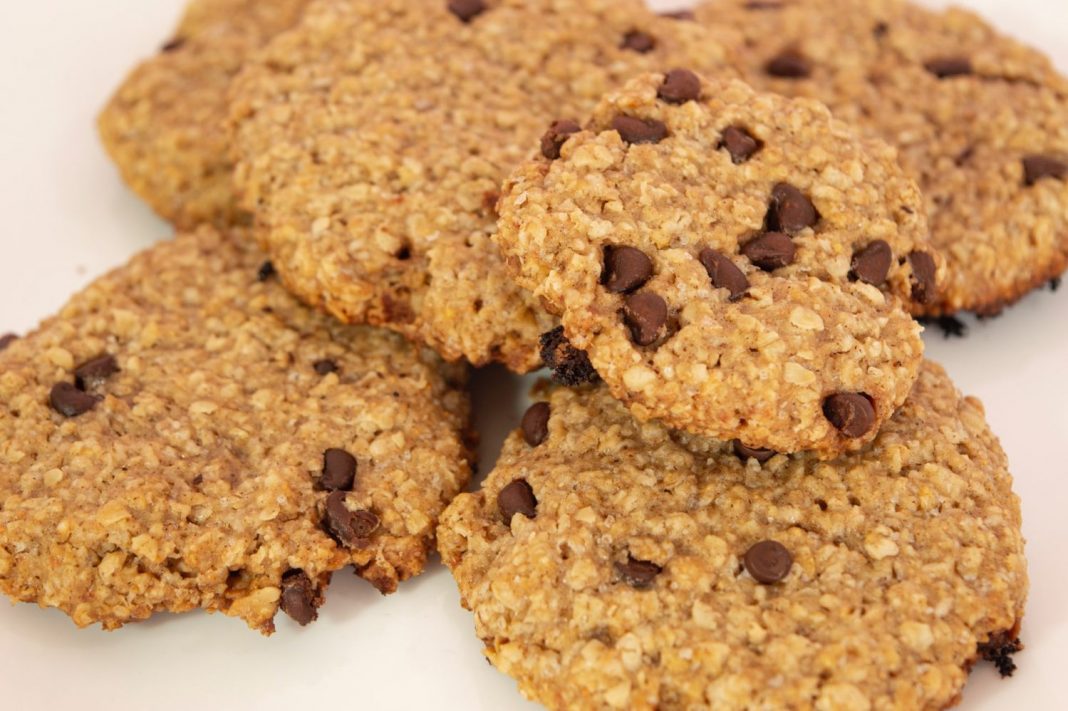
column 789, row 64
column 569, row 365
column 349, row 528
column 638, row 573
column 768, row 562
column 739, row 143
column 557, row 135
column 745, row 453
column 851, row 413
column 924, row 287
column 645, row 314
column 339, row 470
column 7, row 339
column 1054, row 283
column 681, row 15
column 467, row 10
column 625, row 269
column 173, row 46
column 266, row 271
column 880, row 30
column 635, row 130
column 535, row 423
column 1036, row 167
column 517, row 498
column 724, row 273
column 299, row 598
column 770, row 251
column 872, row 263
column 94, row 372
column 680, row 86
column 945, row 67
column 325, row 366
column 69, row 401
column 639, row 41
column 790, row 210
column 764, row 5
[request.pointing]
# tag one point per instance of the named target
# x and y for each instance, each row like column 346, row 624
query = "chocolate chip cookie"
column 164, row 127
column 734, row 264
column 980, row 121
column 373, row 138
column 184, row 434
column 614, row 564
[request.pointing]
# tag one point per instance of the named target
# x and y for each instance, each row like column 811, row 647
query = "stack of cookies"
column 747, row 488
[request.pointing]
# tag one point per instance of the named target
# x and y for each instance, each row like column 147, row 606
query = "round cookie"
column 735, row 264
column 980, row 121
column 644, row 569
column 373, row 138
column 184, row 434
column 165, row 126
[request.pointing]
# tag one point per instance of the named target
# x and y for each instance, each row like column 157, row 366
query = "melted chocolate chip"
column 681, row 15
column 770, row 251
column 266, row 271
column 535, row 424
column 625, row 269
column 299, row 599
column 7, row 339
column 872, row 263
column 852, row 414
column 739, row 143
column 680, row 86
column 466, row 10
column 645, row 314
column 638, row 573
column 636, row 131
column 789, row 64
column 349, row 528
column 569, row 365
column 517, row 498
column 790, row 210
column 924, row 286
column 724, row 273
column 557, row 135
column 639, row 41
column 946, row 67
column 745, row 453
column 325, row 366
column 768, row 562
column 95, row 371
column 69, row 401
column 1036, row 167
column 339, row 470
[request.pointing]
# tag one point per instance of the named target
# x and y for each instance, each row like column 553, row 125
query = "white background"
column 66, row 218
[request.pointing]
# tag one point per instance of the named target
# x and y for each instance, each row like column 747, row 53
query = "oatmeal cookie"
column 372, row 140
column 185, row 434
column 980, row 121
column 615, row 564
column 165, row 126
column 734, row 264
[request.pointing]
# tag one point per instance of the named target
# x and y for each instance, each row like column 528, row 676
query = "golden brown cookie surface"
column 373, row 138
column 737, row 265
column 980, row 121
column 164, row 126
column 186, row 434
column 611, row 564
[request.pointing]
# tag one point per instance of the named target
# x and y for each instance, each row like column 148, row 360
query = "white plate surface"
column 67, row 218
